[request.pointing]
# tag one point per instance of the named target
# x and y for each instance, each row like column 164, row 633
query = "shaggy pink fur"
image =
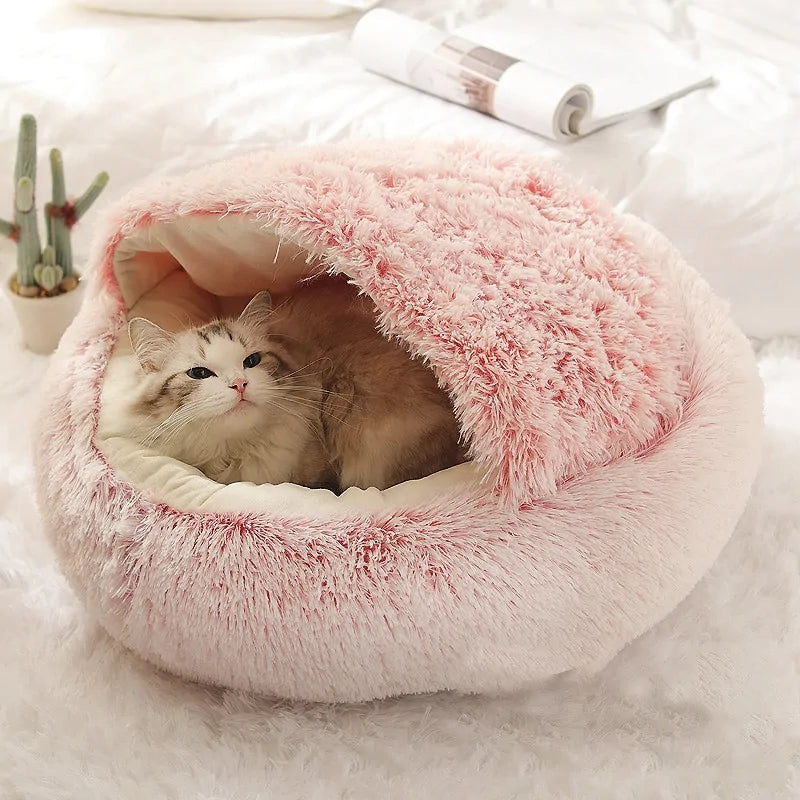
column 611, row 402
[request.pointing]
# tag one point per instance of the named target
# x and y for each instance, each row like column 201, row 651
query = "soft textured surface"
column 585, row 533
column 557, row 333
column 706, row 705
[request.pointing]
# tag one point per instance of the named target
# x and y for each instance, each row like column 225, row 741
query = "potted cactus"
column 45, row 290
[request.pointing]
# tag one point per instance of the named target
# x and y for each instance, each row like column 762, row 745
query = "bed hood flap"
column 552, row 328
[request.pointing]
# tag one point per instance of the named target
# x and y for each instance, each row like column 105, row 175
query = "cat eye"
column 198, row 373
column 253, row 360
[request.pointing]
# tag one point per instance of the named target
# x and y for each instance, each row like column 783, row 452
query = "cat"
column 307, row 392
column 228, row 399
column 384, row 417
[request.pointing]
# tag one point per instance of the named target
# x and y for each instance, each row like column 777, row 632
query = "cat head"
column 226, row 370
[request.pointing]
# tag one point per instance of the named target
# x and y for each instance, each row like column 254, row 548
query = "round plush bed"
column 611, row 408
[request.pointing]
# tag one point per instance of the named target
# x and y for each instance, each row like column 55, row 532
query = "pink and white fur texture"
column 607, row 397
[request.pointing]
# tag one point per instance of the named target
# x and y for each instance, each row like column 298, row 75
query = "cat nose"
column 240, row 384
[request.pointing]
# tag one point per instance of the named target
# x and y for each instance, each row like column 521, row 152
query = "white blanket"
column 706, row 705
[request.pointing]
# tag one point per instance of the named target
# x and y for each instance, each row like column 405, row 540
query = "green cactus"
column 34, row 267
column 47, row 273
column 25, row 230
column 63, row 214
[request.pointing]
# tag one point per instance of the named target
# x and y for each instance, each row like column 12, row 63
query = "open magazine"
column 533, row 68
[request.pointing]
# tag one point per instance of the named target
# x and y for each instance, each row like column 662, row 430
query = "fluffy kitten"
column 308, row 393
column 230, row 400
column 384, row 418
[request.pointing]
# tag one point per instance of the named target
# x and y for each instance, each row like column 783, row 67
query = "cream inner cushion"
column 153, row 269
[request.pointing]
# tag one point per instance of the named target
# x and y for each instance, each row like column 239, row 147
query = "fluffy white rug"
column 705, row 706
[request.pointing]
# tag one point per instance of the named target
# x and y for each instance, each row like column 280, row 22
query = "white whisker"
column 310, row 404
column 306, row 366
column 177, row 419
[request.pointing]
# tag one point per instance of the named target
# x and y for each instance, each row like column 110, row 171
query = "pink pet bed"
column 612, row 409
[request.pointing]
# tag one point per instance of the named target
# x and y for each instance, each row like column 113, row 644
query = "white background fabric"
column 232, row 9
column 708, row 704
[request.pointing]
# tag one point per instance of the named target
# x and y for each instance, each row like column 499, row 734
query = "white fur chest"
column 274, row 453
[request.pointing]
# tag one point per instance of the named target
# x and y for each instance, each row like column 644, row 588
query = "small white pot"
column 44, row 319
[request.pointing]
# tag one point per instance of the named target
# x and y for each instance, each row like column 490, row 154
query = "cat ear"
column 258, row 310
column 151, row 344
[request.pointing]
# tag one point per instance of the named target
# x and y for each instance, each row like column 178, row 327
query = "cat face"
column 226, row 371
